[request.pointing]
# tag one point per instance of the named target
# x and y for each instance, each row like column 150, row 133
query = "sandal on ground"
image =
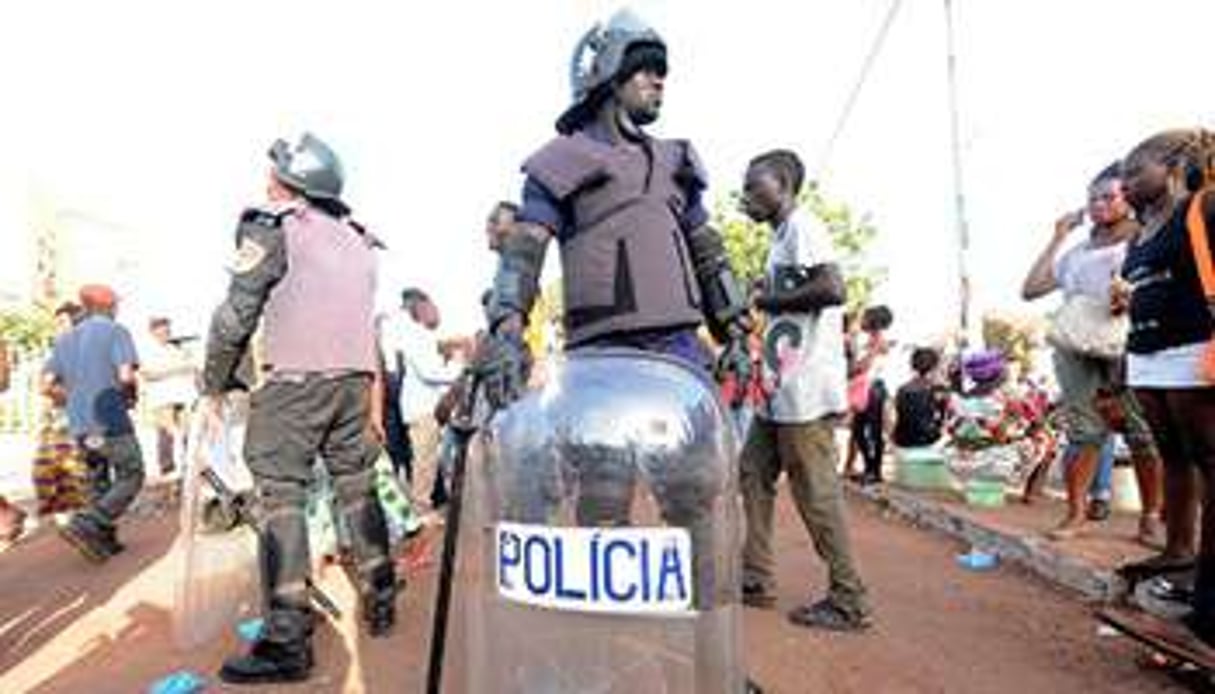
column 826, row 615
column 1098, row 510
column 1068, row 530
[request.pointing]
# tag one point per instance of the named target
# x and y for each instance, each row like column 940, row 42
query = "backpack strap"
column 1196, row 225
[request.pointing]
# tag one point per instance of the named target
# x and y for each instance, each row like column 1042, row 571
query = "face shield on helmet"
column 598, row 59
column 309, row 166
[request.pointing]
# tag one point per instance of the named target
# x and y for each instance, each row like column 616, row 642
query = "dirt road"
column 68, row 627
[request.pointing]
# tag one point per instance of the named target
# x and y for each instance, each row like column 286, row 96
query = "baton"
column 464, row 428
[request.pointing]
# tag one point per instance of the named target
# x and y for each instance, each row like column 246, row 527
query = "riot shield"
column 217, row 574
column 600, row 539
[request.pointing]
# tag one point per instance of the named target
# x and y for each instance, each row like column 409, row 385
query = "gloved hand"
column 502, row 368
column 734, row 362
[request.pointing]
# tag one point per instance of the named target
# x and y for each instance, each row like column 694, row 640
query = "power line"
column 866, row 67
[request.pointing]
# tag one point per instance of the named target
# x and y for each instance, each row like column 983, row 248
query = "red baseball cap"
column 98, row 297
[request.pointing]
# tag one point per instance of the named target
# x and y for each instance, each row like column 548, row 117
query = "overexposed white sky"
column 148, row 122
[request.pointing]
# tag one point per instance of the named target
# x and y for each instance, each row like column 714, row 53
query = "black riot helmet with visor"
column 607, row 55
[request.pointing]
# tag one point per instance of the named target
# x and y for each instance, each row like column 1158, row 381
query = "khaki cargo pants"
column 807, row 453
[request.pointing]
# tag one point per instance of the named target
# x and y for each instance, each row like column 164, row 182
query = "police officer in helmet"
column 308, row 273
column 641, row 267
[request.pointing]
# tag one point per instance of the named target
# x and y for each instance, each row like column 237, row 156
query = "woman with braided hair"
column 1171, row 326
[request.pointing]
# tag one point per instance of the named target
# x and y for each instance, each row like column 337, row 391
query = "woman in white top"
column 1087, row 269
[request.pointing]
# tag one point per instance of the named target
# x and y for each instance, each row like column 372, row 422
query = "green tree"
column 28, row 329
column 851, row 234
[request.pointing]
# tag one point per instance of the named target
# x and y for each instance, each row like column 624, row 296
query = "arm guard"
column 819, row 287
column 517, row 282
column 261, row 263
column 722, row 299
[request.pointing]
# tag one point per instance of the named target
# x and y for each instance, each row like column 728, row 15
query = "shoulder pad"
column 567, row 164
column 269, row 217
column 691, row 172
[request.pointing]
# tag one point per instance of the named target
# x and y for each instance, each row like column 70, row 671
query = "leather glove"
column 502, row 368
column 734, row 363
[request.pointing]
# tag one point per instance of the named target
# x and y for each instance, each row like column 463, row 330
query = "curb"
column 1035, row 554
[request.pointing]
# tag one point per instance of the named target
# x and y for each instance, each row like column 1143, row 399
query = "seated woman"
column 992, row 423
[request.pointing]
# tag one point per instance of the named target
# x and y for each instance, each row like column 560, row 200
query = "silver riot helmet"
column 598, row 59
column 309, row 166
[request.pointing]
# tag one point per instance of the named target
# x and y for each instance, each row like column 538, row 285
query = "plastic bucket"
column 985, row 493
column 922, row 468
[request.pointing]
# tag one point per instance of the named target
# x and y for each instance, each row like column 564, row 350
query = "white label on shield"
column 607, row 570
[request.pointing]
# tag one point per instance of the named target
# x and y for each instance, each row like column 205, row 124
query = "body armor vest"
column 319, row 317
column 625, row 263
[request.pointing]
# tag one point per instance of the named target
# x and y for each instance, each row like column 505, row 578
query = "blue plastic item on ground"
column 977, row 560
column 180, row 682
column 250, row 629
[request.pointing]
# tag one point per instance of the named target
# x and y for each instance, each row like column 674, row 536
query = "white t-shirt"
column 803, row 355
column 168, row 375
column 426, row 377
column 391, row 332
column 1087, row 269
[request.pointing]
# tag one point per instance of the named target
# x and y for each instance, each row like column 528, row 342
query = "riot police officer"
column 641, row 267
column 308, row 272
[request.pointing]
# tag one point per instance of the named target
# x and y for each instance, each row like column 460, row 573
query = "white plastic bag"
column 217, row 574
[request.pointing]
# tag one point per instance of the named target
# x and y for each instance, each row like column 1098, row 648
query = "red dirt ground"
column 66, row 626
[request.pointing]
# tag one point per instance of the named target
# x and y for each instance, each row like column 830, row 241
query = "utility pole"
column 963, row 231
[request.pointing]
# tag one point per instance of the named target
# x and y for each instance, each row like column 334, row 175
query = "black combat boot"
column 88, row 537
column 109, row 540
column 269, row 662
column 379, row 603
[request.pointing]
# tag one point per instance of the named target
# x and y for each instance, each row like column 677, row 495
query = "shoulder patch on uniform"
column 249, row 254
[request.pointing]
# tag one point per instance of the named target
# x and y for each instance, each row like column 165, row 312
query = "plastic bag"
column 327, row 532
column 217, row 574
column 396, row 500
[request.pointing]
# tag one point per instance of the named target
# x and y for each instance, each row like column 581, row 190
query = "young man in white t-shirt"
column 805, row 377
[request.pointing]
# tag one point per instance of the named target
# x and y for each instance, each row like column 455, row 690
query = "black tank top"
column 1168, row 308
column 918, row 415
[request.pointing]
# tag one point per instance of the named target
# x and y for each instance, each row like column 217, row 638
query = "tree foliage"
column 852, row 235
column 27, row 329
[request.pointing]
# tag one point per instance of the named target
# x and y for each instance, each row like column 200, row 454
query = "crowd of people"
column 1131, row 346
column 1133, row 373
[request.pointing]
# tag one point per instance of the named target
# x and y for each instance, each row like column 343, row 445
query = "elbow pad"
column 722, row 299
column 517, row 282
